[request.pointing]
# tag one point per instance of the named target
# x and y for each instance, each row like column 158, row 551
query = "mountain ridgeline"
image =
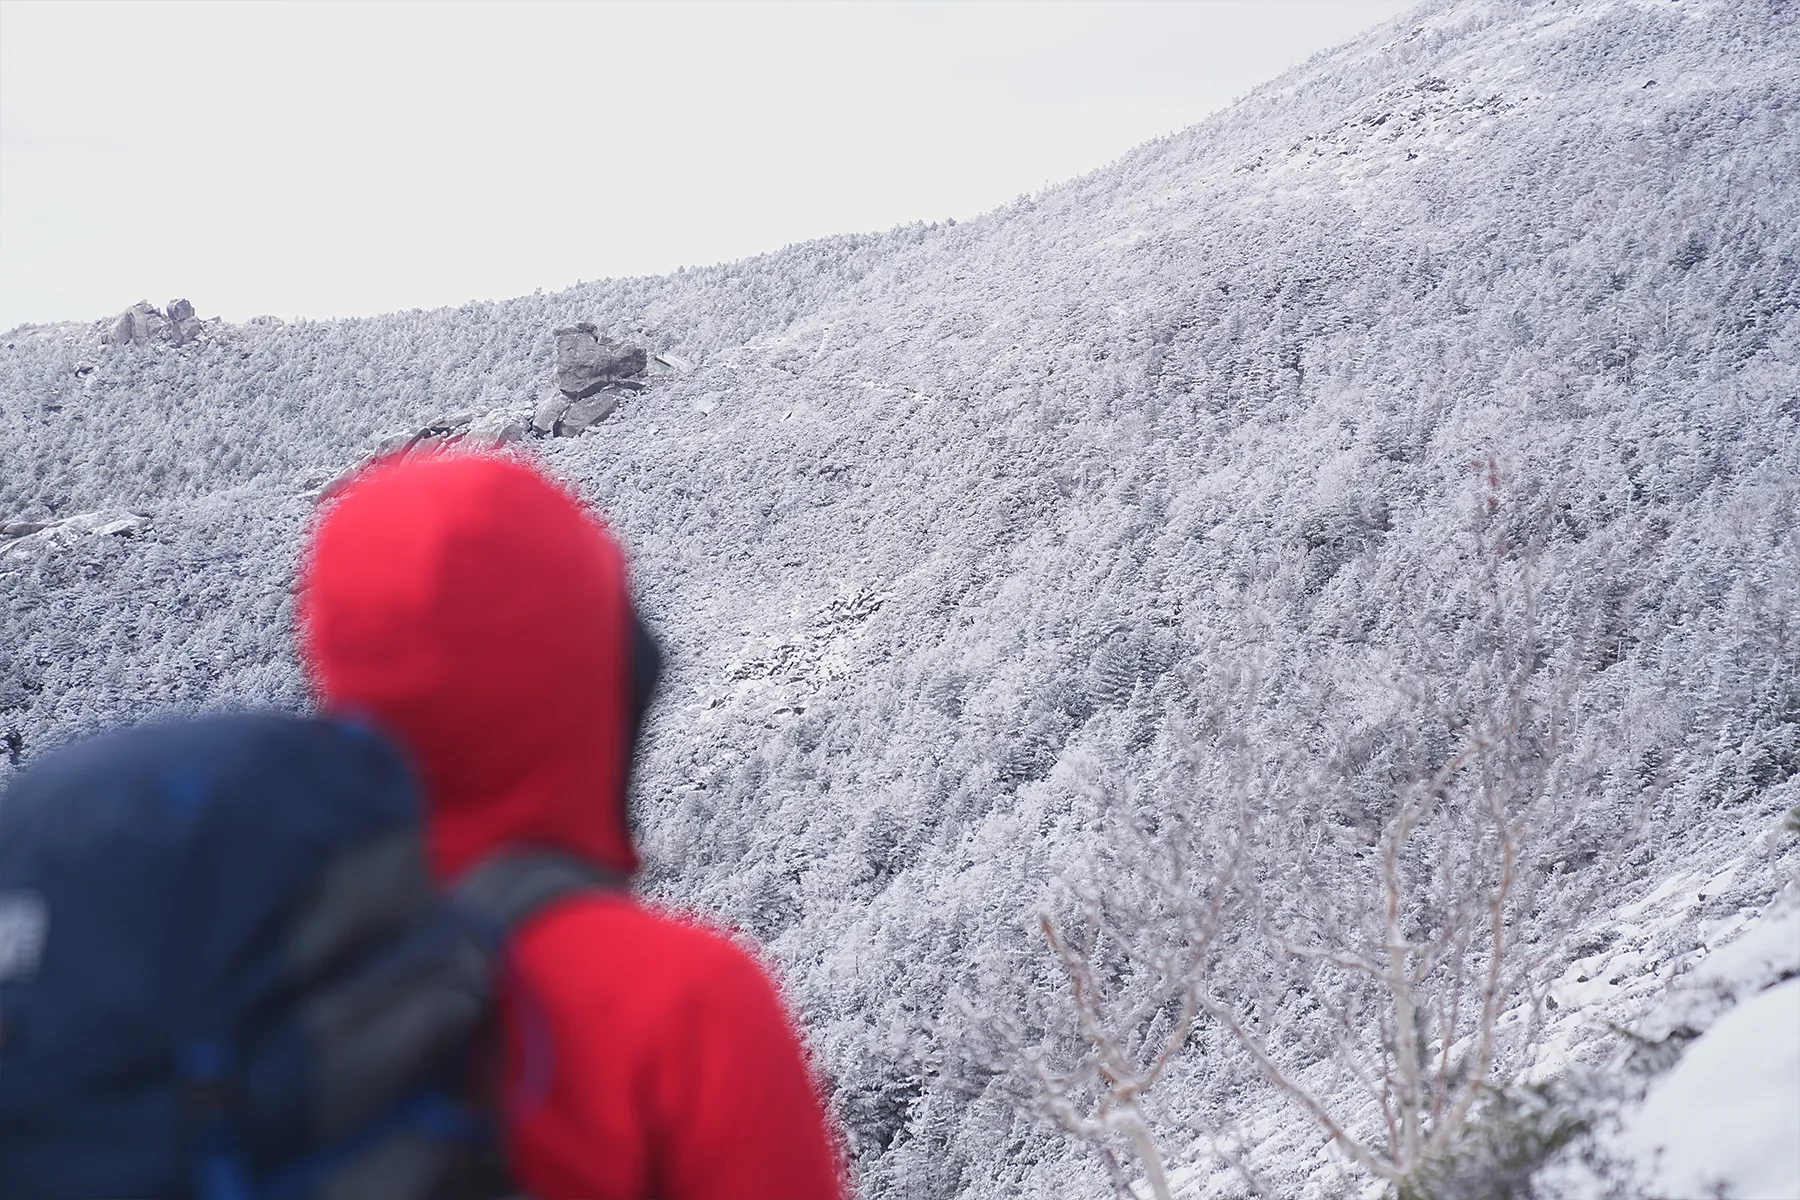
column 958, row 533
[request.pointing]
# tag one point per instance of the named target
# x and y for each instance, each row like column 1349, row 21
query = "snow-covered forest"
column 1101, row 632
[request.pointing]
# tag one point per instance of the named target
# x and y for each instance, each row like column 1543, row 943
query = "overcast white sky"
column 336, row 159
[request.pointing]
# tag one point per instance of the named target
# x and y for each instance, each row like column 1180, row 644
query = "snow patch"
column 1726, row 1120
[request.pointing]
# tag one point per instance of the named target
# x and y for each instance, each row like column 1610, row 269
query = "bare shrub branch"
column 1353, row 888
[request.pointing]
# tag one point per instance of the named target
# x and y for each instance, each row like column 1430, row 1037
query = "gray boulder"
column 550, row 409
column 447, row 422
column 137, row 325
column 495, row 428
column 583, row 415
column 184, row 326
column 587, row 362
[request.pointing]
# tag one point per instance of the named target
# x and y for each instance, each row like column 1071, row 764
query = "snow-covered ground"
column 1727, row 1118
column 1711, row 1103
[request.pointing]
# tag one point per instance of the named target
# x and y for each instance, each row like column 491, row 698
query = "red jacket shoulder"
column 651, row 1055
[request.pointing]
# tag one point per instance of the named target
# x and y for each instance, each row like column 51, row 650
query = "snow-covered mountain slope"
column 940, row 513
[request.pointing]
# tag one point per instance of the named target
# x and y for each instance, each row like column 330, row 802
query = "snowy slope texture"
column 944, row 520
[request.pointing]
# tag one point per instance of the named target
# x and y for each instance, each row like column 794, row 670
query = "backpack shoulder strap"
column 507, row 889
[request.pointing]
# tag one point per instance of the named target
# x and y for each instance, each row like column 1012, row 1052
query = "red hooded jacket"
column 480, row 615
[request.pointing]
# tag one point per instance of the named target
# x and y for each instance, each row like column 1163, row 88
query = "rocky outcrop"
column 144, row 323
column 22, row 540
column 587, row 362
column 469, row 430
column 492, row 428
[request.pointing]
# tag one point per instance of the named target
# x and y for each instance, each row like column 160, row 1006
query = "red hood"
column 479, row 614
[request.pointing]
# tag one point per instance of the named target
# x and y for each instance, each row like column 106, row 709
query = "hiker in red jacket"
column 479, row 615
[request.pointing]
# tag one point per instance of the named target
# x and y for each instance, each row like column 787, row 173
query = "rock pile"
column 592, row 373
column 144, row 323
column 557, row 414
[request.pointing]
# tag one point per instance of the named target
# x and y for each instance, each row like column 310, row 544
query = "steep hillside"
column 948, row 522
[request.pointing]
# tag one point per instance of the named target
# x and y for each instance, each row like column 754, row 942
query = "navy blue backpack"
column 225, row 973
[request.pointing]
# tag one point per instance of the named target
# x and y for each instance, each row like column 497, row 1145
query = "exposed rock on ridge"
column 587, row 362
column 592, row 373
column 144, row 323
column 25, row 539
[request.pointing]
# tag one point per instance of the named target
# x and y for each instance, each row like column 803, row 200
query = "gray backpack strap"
column 505, row 890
